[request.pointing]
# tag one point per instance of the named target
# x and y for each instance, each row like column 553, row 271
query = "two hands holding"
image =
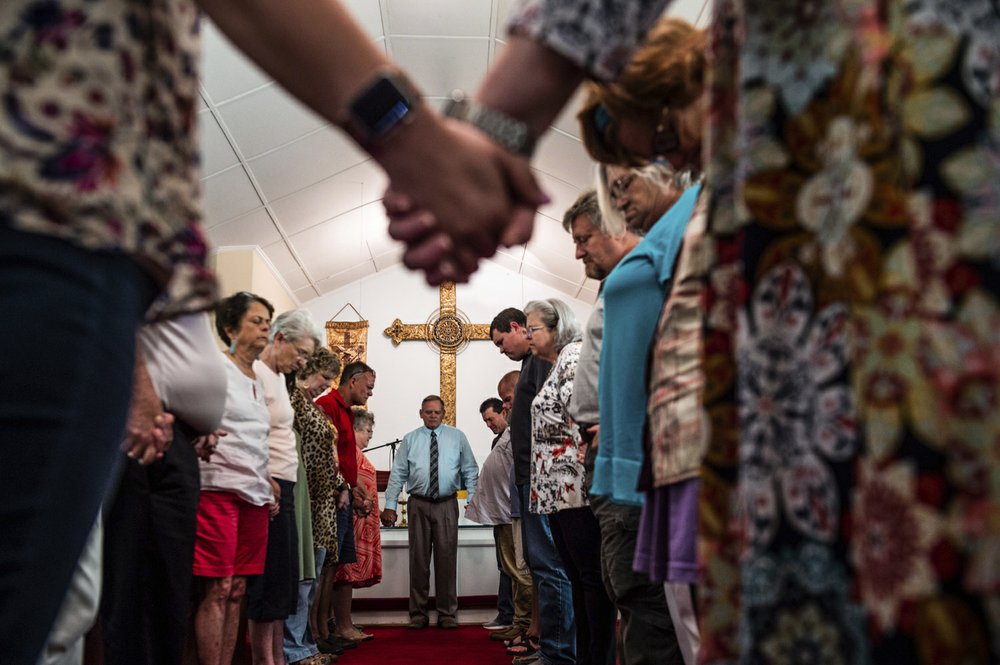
column 480, row 197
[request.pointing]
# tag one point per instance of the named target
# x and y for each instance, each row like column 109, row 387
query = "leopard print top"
column 319, row 454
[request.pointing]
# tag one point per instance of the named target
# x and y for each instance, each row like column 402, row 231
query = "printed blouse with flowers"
column 556, row 448
column 99, row 141
column 850, row 341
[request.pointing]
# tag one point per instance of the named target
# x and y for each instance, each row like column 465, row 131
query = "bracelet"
column 512, row 134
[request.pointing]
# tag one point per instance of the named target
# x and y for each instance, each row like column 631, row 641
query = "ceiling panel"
column 330, row 248
column 439, row 65
column 562, row 194
column 318, row 203
column 564, row 155
column 306, row 294
column 254, row 228
column 376, row 230
column 539, row 275
column 369, row 14
column 267, row 118
column 390, row 258
column 216, row 152
column 296, row 279
column 470, row 18
column 281, row 257
column 228, row 194
column 510, row 262
column 352, row 274
column 304, row 162
column 501, row 9
column 225, row 71
column 567, row 122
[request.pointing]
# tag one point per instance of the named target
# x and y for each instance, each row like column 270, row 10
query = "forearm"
column 530, row 82
column 397, row 476
column 314, row 48
column 392, row 490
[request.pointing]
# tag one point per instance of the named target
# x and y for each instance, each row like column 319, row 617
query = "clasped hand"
column 455, row 196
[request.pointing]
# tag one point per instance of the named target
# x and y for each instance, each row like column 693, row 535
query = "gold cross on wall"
column 449, row 333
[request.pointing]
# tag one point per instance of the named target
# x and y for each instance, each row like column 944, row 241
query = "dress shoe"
column 448, row 622
column 416, row 623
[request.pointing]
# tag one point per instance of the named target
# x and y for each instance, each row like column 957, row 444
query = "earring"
column 664, row 138
column 232, row 348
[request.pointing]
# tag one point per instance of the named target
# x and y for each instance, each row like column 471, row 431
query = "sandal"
column 529, row 646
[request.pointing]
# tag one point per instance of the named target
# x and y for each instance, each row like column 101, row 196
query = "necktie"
column 433, row 479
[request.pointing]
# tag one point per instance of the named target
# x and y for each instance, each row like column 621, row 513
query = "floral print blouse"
column 98, row 137
column 556, row 448
column 598, row 36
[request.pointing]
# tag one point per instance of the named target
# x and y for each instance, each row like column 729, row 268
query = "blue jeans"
column 299, row 641
column 65, row 384
column 555, row 593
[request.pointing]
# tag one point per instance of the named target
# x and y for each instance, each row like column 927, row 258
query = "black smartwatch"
column 385, row 105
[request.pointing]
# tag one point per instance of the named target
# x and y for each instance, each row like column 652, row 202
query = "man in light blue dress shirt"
column 433, row 513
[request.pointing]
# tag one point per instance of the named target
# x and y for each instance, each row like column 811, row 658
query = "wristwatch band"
column 510, row 133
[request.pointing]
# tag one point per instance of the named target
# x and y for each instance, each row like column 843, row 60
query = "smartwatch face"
column 381, row 107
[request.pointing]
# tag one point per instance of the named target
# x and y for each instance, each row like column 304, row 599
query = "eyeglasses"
column 531, row 330
column 305, row 354
column 620, row 185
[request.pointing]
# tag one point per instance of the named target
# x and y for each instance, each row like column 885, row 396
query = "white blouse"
column 239, row 464
column 283, row 459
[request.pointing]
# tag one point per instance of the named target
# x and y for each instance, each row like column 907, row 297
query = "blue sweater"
column 634, row 293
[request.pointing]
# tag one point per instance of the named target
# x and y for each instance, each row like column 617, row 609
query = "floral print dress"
column 556, row 448
column 848, row 510
column 850, row 507
column 98, row 136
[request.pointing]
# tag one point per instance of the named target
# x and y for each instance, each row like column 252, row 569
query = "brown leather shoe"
column 448, row 622
column 417, row 623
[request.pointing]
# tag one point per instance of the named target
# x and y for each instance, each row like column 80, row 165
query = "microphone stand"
column 392, row 450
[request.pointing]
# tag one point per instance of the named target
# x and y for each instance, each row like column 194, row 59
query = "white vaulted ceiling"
column 279, row 176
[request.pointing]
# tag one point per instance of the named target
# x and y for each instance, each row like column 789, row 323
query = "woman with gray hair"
column 557, row 478
column 273, row 596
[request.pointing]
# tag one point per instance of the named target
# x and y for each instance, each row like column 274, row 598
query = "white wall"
column 408, row 372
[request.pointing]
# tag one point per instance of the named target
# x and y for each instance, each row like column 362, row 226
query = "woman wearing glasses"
column 274, row 595
column 231, row 536
column 557, row 478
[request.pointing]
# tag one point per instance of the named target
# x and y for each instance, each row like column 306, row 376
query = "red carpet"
column 466, row 645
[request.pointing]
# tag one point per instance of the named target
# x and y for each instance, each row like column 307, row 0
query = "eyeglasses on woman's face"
column 531, row 330
column 620, row 186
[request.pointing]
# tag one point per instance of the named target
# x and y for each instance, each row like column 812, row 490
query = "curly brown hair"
column 669, row 69
column 322, row 360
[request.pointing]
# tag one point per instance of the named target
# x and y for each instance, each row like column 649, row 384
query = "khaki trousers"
column 519, row 575
column 433, row 530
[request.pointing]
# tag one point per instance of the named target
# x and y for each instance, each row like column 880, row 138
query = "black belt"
column 440, row 499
